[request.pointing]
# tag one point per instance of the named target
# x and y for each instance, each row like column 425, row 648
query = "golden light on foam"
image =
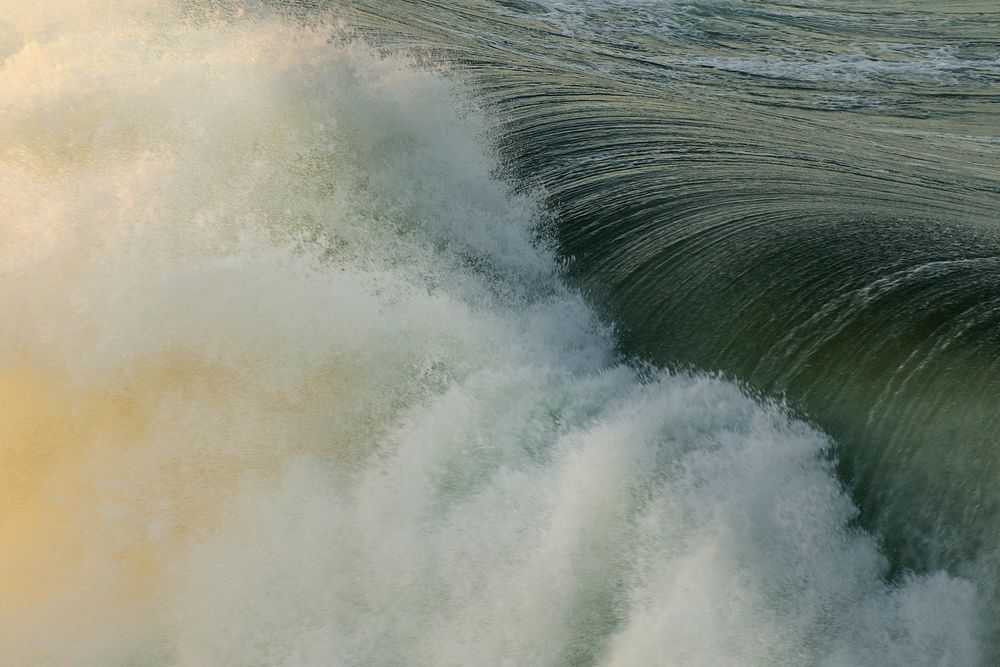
column 101, row 489
column 43, row 430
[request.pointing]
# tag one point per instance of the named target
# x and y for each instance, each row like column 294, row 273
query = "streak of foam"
column 286, row 381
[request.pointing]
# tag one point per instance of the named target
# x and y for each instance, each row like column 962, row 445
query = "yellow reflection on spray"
column 101, row 488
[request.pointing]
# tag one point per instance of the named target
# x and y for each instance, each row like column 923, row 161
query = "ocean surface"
column 499, row 332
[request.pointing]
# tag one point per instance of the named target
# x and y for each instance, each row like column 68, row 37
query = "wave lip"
column 831, row 242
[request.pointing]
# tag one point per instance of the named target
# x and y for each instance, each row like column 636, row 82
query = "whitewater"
column 290, row 374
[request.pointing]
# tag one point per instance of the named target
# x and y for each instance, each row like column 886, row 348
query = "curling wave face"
column 802, row 196
column 288, row 378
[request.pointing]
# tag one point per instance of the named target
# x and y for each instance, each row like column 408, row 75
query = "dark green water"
column 802, row 196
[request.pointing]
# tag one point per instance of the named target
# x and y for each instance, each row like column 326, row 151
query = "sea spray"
column 287, row 380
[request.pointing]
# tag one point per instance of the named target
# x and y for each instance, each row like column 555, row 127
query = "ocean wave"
column 290, row 377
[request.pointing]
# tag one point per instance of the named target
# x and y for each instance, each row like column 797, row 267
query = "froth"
column 287, row 380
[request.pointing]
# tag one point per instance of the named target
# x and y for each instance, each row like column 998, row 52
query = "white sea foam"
column 287, row 382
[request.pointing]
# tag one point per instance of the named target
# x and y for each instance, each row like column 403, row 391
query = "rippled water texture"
column 803, row 196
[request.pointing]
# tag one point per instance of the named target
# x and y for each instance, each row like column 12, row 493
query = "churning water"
column 392, row 334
